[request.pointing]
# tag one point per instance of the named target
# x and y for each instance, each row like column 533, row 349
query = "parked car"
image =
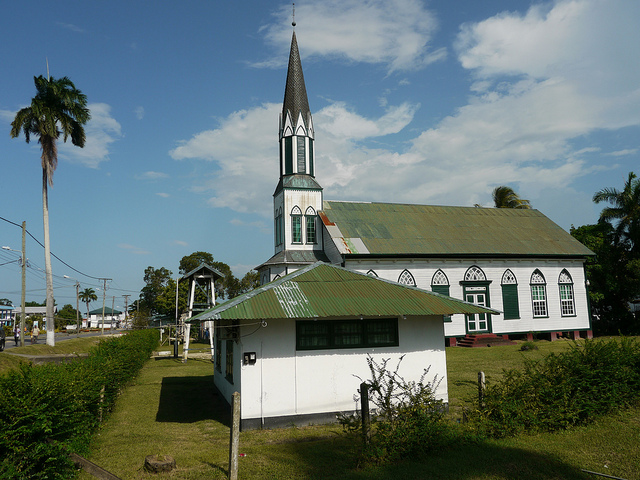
column 2, row 338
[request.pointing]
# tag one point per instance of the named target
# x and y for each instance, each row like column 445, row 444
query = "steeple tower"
column 298, row 197
column 296, row 125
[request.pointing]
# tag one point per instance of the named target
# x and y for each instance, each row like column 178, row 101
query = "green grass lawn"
column 173, row 409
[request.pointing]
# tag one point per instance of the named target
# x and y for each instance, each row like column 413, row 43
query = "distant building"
column 111, row 318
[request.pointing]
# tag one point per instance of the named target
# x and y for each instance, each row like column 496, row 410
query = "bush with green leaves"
column 571, row 388
column 407, row 419
column 48, row 411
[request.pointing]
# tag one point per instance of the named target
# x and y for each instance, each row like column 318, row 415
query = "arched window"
column 406, row 278
column 474, row 274
column 440, row 284
column 372, row 273
column 539, row 294
column 565, row 284
column 510, row 303
column 310, row 222
column 296, row 225
column 279, row 232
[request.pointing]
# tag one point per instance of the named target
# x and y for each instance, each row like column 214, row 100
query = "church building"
column 516, row 262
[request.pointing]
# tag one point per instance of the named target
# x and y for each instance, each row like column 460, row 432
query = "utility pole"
column 77, row 308
column 24, row 284
column 104, row 298
column 126, row 307
column 113, row 306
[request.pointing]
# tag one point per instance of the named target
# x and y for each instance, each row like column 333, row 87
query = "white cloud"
column 151, row 175
column 391, row 32
column 139, row 112
column 623, row 153
column 163, row 195
column 133, row 249
column 180, row 243
column 102, row 130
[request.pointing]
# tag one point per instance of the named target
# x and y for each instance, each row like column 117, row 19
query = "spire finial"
column 293, row 23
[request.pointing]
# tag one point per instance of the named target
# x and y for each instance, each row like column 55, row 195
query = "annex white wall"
column 284, row 381
column 424, row 269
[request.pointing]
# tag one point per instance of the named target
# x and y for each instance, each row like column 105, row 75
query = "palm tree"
column 88, row 295
column 58, row 108
column 625, row 209
column 506, row 197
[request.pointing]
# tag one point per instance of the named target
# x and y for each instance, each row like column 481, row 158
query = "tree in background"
column 614, row 273
column 66, row 313
column 624, row 212
column 506, row 197
column 87, row 296
column 156, row 281
column 158, row 296
column 58, row 108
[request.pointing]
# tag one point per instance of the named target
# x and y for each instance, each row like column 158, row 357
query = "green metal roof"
column 107, row 311
column 323, row 290
column 400, row 229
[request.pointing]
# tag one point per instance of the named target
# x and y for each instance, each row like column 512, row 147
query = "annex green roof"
column 400, row 229
column 323, row 290
column 107, row 311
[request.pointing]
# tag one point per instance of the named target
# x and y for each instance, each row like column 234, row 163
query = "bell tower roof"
column 295, row 93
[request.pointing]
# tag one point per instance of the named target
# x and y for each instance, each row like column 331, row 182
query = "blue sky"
column 433, row 102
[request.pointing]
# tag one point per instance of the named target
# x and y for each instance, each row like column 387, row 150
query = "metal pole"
column 77, row 309
column 24, row 284
column 104, row 298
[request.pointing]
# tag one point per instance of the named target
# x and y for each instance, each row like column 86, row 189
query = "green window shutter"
column 288, row 155
column 311, row 170
column 510, row 302
column 442, row 290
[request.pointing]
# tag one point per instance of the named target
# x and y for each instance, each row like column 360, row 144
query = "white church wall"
column 423, row 270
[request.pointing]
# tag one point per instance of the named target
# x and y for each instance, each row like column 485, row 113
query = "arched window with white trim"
column 510, row 304
column 539, row 294
column 372, row 273
column 406, row 278
column 474, row 274
column 296, row 225
column 565, row 284
column 310, row 222
column 440, row 284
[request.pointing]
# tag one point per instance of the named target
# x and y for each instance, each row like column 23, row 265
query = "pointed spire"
column 295, row 93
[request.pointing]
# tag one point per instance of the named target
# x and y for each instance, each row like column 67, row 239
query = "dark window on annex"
column 328, row 334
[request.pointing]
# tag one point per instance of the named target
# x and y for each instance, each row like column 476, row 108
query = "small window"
column 567, row 304
column 406, row 278
column 510, row 304
column 296, row 225
column 310, row 221
column 218, row 361
column 331, row 334
column 229, row 361
column 539, row 294
column 288, row 155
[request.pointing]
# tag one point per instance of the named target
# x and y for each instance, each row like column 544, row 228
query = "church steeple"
column 296, row 125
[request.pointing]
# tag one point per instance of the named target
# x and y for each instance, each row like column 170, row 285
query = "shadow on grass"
column 191, row 399
column 480, row 461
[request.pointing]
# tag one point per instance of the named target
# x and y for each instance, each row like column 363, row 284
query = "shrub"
column 407, row 419
column 63, row 404
column 562, row 390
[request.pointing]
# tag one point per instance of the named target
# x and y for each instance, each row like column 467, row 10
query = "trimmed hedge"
column 64, row 403
column 562, row 390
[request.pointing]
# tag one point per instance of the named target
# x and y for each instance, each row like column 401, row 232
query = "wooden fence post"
column 234, row 436
column 366, row 416
column 481, row 387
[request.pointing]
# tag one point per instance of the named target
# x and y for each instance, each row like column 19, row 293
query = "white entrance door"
column 477, row 322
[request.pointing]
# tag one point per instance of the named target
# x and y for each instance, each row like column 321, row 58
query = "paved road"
column 59, row 337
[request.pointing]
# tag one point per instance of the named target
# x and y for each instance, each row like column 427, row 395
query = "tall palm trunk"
column 50, row 323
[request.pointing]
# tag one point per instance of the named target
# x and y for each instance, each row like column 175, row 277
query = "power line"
column 52, row 254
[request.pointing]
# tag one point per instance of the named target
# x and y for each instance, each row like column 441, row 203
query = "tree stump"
column 159, row 463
